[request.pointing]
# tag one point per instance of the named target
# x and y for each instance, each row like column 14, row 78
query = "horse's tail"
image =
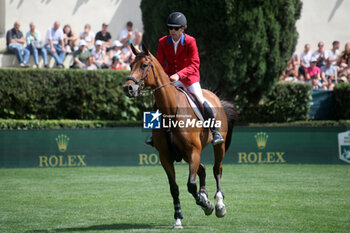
column 232, row 116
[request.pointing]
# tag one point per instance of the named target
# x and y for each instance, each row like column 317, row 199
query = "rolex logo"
column 261, row 139
column 62, row 142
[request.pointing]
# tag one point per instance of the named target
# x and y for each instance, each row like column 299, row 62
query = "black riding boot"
column 217, row 138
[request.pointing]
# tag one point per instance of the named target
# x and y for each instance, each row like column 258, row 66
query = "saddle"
column 194, row 102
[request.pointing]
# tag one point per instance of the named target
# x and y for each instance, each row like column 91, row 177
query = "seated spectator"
column 34, row 45
column 116, row 64
column 115, row 51
column 295, row 59
column 90, row 63
column 315, row 82
column 55, row 43
column 15, row 44
column 313, row 72
column 127, row 53
column 81, row 56
column 70, row 39
column 305, row 58
column 333, row 54
column 329, row 73
column 319, row 54
column 88, row 36
column 345, row 57
column 128, row 34
column 290, row 74
column 105, row 37
column 99, row 55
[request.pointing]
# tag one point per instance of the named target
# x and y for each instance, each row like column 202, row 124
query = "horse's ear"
column 144, row 49
column 134, row 50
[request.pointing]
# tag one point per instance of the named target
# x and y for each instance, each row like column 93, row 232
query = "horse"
column 146, row 71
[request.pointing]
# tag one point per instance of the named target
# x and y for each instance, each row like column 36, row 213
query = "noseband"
column 141, row 83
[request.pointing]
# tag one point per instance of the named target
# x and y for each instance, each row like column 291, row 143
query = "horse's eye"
column 144, row 65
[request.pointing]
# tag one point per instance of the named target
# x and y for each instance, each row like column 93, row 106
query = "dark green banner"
column 125, row 147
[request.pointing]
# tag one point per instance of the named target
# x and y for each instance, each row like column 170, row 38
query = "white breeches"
column 194, row 88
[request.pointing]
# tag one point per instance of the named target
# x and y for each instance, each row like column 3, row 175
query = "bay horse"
column 146, row 71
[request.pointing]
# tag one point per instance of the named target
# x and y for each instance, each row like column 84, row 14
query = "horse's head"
column 142, row 72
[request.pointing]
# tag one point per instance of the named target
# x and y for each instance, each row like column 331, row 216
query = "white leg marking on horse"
column 178, row 224
column 220, row 209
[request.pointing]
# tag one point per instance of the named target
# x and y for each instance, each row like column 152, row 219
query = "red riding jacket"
column 186, row 60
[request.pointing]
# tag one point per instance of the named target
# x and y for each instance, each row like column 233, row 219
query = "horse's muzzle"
column 131, row 90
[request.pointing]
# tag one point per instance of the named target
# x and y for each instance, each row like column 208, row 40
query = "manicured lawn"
column 259, row 198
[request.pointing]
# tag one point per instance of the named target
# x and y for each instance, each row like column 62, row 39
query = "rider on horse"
column 178, row 55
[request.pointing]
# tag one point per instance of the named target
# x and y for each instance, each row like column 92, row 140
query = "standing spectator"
column 15, row 44
column 305, row 58
column 319, row 54
column 99, row 55
column 34, row 45
column 333, row 54
column 70, row 39
column 88, row 36
column 130, row 35
column 55, row 43
column 81, row 56
column 329, row 73
column 105, row 37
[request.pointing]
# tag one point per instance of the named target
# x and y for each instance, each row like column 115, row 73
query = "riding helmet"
column 176, row 19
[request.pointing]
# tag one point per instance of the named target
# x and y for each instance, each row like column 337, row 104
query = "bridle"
column 141, row 84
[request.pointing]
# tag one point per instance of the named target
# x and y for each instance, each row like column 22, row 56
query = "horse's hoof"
column 209, row 209
column 177, row 224
column 220, row 211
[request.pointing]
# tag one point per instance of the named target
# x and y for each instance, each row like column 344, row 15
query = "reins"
column 144, row 76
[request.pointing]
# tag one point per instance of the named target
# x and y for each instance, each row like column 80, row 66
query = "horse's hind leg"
column 219, row 151
column 168, row 166
column 208, row 207
column 201, row 197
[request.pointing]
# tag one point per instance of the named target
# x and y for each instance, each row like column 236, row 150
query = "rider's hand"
column 174, row 77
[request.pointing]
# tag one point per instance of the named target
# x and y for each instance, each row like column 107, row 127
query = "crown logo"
column 62, row 142
column 261, row 139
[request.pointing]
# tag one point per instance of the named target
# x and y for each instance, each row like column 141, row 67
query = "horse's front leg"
column 202, row 196
column 168, row 166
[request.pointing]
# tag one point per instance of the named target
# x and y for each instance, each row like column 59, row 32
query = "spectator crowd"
column 322, row 68
column 90, row 51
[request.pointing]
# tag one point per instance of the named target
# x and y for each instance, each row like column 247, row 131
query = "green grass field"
column 262, row 198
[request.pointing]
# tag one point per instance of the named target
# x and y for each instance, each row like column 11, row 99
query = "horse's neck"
column 166, row 96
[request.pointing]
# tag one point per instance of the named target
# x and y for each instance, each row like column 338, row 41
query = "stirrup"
column 149, row 141
column 217, row 138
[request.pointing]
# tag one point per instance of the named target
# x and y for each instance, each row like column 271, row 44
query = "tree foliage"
column 243, row 45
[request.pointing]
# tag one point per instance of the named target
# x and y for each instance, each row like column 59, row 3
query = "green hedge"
column 11, row 124
column 286, row 103
column 342, row 101
column 67, row 94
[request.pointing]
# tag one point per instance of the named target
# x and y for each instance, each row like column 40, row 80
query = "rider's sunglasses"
column 175, row 28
